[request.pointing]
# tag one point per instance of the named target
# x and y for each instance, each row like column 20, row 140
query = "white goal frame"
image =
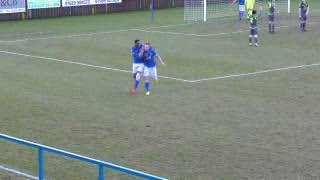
column 204, row 8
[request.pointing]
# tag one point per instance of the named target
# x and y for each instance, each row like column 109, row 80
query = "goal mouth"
column 203, row 10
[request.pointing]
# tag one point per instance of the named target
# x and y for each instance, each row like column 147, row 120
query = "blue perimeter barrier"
column 101, row 164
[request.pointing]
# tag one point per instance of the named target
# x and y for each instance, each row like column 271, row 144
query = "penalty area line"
column 84, row 64
column 14, row 171
column 65, row 36
column 189, row 34
column 205, row 35
column 166, row 77
column 256, row 73
column 141, row 29
column 90, row 34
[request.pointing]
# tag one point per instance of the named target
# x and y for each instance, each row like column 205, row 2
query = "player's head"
column 254, row 12
column 137, row 42
column 146, row 46
column 303, row 1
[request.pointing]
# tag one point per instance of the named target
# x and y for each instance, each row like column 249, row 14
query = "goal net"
column 202, row 10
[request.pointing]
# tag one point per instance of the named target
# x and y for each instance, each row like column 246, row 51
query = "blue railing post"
column 101, row 172
column 40, row 163
column 101, row 164
column 152, row 10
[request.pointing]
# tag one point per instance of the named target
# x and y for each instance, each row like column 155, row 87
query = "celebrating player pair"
column 143, row 57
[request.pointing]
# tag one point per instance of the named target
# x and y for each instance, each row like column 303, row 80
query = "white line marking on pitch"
column 67, row 36
column 170, row 25
column 145, row 29
column 256, row 73
column 84, row 64
column 166, row 77
column 22, row 33
column 18, row 172
column 205, row 35
column 189, row 34
column 88, row 34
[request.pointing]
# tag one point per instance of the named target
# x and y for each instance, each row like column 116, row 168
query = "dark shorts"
column 303, row 18
column 253, row 32
column 271, row 18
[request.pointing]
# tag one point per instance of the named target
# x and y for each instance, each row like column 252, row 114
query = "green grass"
column 9, row 176
column 256, row 127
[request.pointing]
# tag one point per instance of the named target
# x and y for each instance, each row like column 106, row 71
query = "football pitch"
column 222, row 110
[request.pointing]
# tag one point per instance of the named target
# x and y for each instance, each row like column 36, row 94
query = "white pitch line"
column 205, row 35
column 166, row 77
column 64, row 61
column 256, row 73
column 89, row 34
column 177, row 79
column 22, row 33
column 135, row 29
column 18, row 172
column 190, row 34
column 170, row 25
column 84, row 64
column 67, row 36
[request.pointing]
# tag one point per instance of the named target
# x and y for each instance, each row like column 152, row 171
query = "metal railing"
column 101, row 164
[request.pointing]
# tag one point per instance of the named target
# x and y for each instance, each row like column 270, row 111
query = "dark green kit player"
column 271, row 15
column 253, row 28
column 303, row 13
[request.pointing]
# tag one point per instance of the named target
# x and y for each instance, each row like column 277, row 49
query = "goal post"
column 202, row 10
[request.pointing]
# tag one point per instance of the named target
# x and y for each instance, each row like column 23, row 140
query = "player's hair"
column 254, row 12
column 136, row 41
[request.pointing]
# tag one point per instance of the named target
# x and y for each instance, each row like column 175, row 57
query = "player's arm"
column 155, row 54
column 300, row 11
column 160, row 59
column 133, row 54
column 307, row 10
column 141, row 52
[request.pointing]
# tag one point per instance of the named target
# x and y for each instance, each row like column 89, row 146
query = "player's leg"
column 155, row 74
column 256, row 40
column 152, row 74
column 136, row 71
column 241, row 11
column 270, row 27
column 137, row 80
column 270, row 24
column 146, row 75
column 273, row 24
column 304, row 23
column 138, row 75
column 255, row 35
column 250, row 37
column 134, row 74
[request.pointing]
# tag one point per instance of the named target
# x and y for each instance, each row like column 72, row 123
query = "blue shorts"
column 254, row 32
column 242, row 10
column 303, row 18
column 271, row 18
